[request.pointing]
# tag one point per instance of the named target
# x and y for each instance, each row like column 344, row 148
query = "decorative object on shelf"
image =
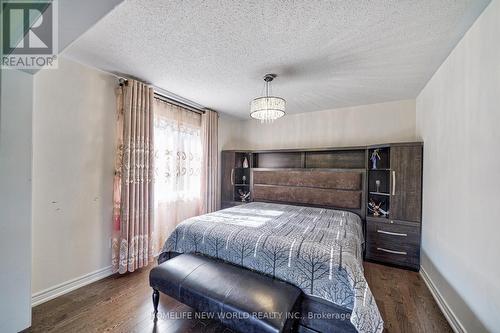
column 244, row 179
column 267, row 108
column 376, row 209
column 377, row 183
column 375, row 156
column 244, row 195
column 245, row 163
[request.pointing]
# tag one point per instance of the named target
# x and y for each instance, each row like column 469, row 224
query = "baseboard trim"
column 450, row 316
column 70, row 285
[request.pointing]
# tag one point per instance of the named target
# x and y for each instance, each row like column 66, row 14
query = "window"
column 177, row 164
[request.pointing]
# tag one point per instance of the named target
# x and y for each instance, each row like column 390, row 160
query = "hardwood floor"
column 405, row 302
column 123, row 304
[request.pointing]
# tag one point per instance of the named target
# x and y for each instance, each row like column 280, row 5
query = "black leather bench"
column 242, row 300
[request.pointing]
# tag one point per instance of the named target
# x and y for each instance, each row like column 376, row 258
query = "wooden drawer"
column 396, row 232
column 396, row 243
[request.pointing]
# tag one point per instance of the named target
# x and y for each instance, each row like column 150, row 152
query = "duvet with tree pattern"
column 318, row 250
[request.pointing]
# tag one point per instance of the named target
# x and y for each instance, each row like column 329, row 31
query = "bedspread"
column 318, row 250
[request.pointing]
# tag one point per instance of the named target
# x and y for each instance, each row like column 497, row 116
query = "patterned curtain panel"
column 210, row 123
column 133, row 244
column 178, row 167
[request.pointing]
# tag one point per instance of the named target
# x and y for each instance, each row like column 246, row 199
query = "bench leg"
column 156, row 300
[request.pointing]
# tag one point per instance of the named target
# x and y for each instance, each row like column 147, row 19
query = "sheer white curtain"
column 178, row 166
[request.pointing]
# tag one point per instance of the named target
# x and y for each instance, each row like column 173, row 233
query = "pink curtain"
column 133, row 245
column 178, row 166
column 210, row 121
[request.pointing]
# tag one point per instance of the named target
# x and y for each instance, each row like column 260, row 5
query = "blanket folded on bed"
column 317, row 250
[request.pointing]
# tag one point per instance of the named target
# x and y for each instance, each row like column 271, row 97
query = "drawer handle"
column 391, row 233
column 391, row 251
column 393, row 182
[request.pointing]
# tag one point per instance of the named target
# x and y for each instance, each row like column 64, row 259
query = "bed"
column 318, row 249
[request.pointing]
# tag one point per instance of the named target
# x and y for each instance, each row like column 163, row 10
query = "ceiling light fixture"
column 267, row 108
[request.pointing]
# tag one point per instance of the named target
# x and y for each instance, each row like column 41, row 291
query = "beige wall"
column 230, row 132
column 15, row 199
column 458, row 116
column 229, row 137
column 359, row 125
column 73, row 153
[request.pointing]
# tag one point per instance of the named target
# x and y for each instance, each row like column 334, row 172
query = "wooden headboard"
column 339, row 189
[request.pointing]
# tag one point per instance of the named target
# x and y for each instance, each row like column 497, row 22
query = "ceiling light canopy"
column 267, row 108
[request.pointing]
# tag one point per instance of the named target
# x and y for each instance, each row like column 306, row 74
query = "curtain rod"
column 178, row 103
column 158, row 95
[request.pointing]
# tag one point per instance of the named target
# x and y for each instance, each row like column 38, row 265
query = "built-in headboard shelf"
column 331, row 159
column 388, row 186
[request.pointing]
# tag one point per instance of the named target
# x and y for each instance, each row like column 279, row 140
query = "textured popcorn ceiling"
column 327, row 54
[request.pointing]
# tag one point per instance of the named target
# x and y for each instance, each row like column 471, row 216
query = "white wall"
column 458, row 117
column 15, row 200
column 359, row 125
column 73, row 156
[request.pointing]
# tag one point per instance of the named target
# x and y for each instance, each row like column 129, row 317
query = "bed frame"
column 342, row 189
